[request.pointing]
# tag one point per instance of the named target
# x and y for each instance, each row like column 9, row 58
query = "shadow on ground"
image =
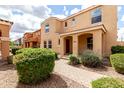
column 6, row 66
column 100, row 68
column 55, row 81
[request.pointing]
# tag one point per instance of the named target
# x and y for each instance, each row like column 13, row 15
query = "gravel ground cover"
column 106, row 70
column 9, row 79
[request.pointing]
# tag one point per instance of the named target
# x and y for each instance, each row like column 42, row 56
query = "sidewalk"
column 82, row 77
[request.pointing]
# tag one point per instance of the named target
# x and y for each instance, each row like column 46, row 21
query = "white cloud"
column 66, row 12
column 59, row 16
column 75, row 10
column 122, row 19
column 121, row 34
column 119, row 8
column 64, row 8
column 5, row 13
column 25, row 18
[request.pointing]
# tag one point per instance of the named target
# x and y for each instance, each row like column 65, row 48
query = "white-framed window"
column 45, row 44
column 73, row 21
column 90, row 43
column 49, row 44
column 96, row 16
column 47, row 28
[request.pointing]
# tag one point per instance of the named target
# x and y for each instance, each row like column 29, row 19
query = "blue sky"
column 28, row 18
column 120, row 16
column 59, row 9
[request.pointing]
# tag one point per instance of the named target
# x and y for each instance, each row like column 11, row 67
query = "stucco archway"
column 85, row 41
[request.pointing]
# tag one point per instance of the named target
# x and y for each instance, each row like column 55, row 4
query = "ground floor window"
column 49, row 44
column 45, row 44
column 90, row 43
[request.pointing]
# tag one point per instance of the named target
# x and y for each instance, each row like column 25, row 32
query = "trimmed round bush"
column 73, row 60
column 117, row 61
column 108, row 82
column 90, row 59
column 34, row 65
column 23, row 50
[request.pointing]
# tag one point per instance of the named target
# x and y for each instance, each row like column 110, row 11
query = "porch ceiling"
column 92, row 28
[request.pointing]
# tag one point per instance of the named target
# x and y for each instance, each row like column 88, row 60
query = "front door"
column 67, row 46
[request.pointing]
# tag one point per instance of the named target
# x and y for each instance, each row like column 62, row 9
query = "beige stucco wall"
column 109, row 19
column 102, row 40
column 5, row 28
column 110, row 22
column 55, row 26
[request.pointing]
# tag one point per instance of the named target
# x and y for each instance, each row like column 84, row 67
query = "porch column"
column 62, row 46
column 31, row 44
column 75, row 44
column 97, row 42
column 5, row 50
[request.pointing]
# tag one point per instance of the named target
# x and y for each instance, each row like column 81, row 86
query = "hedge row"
column 117, row 49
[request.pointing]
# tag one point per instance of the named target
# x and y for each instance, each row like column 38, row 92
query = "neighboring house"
column 32, row 39
column 93, row 28
column 5, row 27
column 18, row 43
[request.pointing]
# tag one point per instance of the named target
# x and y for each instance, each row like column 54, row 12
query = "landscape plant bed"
column 105, row 70
column 9, row 79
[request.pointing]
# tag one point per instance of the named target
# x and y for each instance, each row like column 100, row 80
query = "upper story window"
column 96, row 15
column 73, row 21
column 65, row 24
column 47, row 28
column 49, row 44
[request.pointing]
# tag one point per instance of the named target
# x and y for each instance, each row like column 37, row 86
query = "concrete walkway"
column 81, row 76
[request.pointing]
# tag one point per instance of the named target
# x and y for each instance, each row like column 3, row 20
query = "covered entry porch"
column 76, row 42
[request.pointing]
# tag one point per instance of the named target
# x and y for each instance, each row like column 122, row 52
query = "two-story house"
column 5, row 27
column 32, row 39
column 93, row 28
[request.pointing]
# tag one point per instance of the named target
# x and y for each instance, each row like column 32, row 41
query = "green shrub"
column 73, row 60
column 10, row 59
column 23, row 50
column 117, row 49
column 34, row 65
column 14, row 50
column 88, row 58
column 56, row 56
column 107, row 82
column 117, row 61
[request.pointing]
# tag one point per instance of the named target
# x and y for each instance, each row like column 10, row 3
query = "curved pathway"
column 82, row 77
